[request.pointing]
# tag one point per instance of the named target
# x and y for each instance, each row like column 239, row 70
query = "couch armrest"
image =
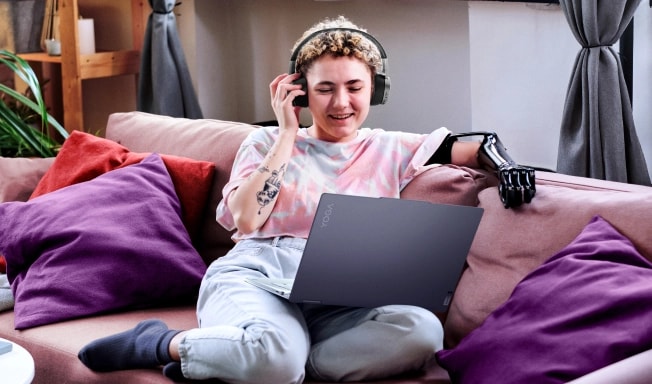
column 577, row 182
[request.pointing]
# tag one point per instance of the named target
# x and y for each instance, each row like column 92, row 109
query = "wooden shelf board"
column 107, row 64
column 94, row 65
column 40, row 57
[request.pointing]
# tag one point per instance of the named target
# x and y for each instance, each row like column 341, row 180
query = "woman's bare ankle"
column 174, row 345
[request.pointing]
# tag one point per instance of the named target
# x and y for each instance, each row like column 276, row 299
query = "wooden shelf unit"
column 76, row 67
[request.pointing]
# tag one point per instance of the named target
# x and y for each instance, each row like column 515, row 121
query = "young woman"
column 247, row 335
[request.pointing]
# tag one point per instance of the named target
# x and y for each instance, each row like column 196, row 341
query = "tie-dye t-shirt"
column 377, row 163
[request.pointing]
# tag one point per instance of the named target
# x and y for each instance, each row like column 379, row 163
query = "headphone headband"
column 381, row 80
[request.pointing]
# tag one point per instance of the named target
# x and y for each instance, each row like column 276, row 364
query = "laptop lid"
column 369, row 252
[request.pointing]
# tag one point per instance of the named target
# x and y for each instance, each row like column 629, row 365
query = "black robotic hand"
column 517, row 183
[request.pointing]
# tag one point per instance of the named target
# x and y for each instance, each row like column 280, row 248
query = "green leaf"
column 17, row 136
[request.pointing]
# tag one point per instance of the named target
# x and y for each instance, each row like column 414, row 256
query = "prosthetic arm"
column 517, row 183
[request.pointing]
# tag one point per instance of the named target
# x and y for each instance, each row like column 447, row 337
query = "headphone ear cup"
column 301, row 101
column 381, row 89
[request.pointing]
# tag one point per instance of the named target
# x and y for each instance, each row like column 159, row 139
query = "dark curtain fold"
column 598, row 138
column 164, row 85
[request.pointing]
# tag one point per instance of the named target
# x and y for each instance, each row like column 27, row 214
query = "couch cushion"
column 54, row 347
column 20, row 176
column 114, row 242
column 448, row 184
column 204, row 139
column 510, row 243
column 582, row 310
column 83, row 157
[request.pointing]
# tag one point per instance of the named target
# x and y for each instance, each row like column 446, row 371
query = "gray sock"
column 144, row 346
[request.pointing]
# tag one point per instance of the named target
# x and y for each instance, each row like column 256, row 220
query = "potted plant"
column 26, row 127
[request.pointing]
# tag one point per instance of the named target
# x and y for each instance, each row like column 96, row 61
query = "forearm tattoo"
column 271, row 188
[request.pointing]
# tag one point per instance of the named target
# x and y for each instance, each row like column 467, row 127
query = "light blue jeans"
column 247, row 335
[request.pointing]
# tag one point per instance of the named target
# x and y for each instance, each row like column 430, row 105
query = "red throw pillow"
column 84, row 156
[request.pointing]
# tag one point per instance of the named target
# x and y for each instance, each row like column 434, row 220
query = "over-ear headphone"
column 381, row 80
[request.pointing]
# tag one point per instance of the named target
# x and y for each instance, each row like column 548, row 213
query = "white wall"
column 521, row 59
column 467, row 65
column 642, row 79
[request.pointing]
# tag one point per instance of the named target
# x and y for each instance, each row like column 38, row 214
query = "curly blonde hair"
column 337, row 43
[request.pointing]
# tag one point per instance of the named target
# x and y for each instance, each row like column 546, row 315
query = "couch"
column 510, row 247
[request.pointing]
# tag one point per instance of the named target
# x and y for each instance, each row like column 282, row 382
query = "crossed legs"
column 248, row 335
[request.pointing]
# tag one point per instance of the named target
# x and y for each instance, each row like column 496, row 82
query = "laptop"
column 369, row 252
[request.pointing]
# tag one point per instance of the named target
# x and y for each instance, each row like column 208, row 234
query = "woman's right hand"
column 282, row 93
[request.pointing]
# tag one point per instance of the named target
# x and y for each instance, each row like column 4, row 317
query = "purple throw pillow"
column 111, row 243
column 583, row 309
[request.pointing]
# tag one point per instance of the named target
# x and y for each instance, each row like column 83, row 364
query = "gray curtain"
column 164, row 85
column 598, row 138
